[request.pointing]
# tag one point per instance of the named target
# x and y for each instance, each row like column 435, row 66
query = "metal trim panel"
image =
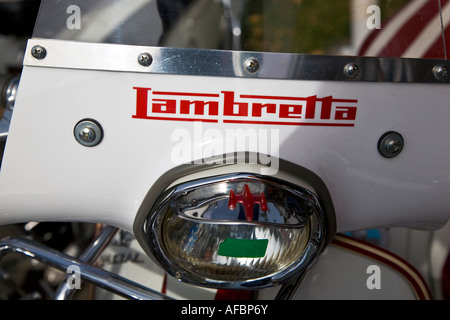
column 244, row 64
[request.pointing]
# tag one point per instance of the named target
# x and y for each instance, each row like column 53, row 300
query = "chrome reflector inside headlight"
column 235, row 231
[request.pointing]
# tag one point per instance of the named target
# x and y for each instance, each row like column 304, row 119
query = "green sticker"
column 243, row 248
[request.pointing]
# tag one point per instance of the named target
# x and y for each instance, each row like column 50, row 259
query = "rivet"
column 252, row 65
column 38, row 52
column 351, row 70
column 390, row 144
column 145, row 59
column 88, row 132
column 440, row 72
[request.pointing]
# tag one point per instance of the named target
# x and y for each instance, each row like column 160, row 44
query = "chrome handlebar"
column 104, row 279
column 97, row 276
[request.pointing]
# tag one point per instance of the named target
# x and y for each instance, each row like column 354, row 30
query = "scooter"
column 239, row 150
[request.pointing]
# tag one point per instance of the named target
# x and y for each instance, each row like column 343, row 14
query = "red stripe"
column 230, row 294
column 436, row 51
column 418, row 287
column 409, row 31
column 176, row 119
column 400, row 41
column 446, row 279
column 375, row 33
column 366, row 44
column 317, row 124
column 164, row 284
column 342, row 100
column 247, row 96
column 187, row 94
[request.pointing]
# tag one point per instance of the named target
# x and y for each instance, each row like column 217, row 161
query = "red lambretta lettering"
column 164, row 106
column 232, row 108
column 141, row 102
column 199, row 107
column 258, row 107
column 229, row 107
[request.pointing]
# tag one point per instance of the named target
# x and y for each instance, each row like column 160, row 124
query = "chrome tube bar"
column 97, row 276
column 90, row 255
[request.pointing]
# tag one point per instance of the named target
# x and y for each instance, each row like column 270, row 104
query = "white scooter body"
column 328, row 122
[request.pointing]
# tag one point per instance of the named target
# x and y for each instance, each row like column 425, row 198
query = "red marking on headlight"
column 248, row 200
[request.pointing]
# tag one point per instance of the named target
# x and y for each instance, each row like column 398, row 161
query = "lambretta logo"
column 232, row 107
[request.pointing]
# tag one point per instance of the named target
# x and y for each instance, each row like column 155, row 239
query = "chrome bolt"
column 351, row 70
column 88, row 133
column 38, row 52
column 390, row 144
column 251, row 65
column 145, row 59
column 440, row 72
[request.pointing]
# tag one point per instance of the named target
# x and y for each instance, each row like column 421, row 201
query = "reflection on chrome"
column 236, row 231
column 197, row 247
column 244, row 202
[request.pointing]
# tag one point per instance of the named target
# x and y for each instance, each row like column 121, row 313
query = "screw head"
column 88, row 133
column 251, row 65
column 38, row 52
column 440, row 72
column 351, row 70
column 390, row 144
column 145, row 59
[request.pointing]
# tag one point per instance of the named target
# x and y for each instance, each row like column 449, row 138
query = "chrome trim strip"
column 201, row 62
column 97, row 276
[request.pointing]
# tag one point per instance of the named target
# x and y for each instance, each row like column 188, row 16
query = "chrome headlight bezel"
column 320, row 221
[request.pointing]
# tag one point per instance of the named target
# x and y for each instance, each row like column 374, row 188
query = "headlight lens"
column 238, row 231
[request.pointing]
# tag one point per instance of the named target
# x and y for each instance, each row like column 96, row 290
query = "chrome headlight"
column 235, row 231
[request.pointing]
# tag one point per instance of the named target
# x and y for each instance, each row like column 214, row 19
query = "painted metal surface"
column 47, row 175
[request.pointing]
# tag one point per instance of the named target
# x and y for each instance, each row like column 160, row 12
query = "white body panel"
column 328, row 279
column 47, row 175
